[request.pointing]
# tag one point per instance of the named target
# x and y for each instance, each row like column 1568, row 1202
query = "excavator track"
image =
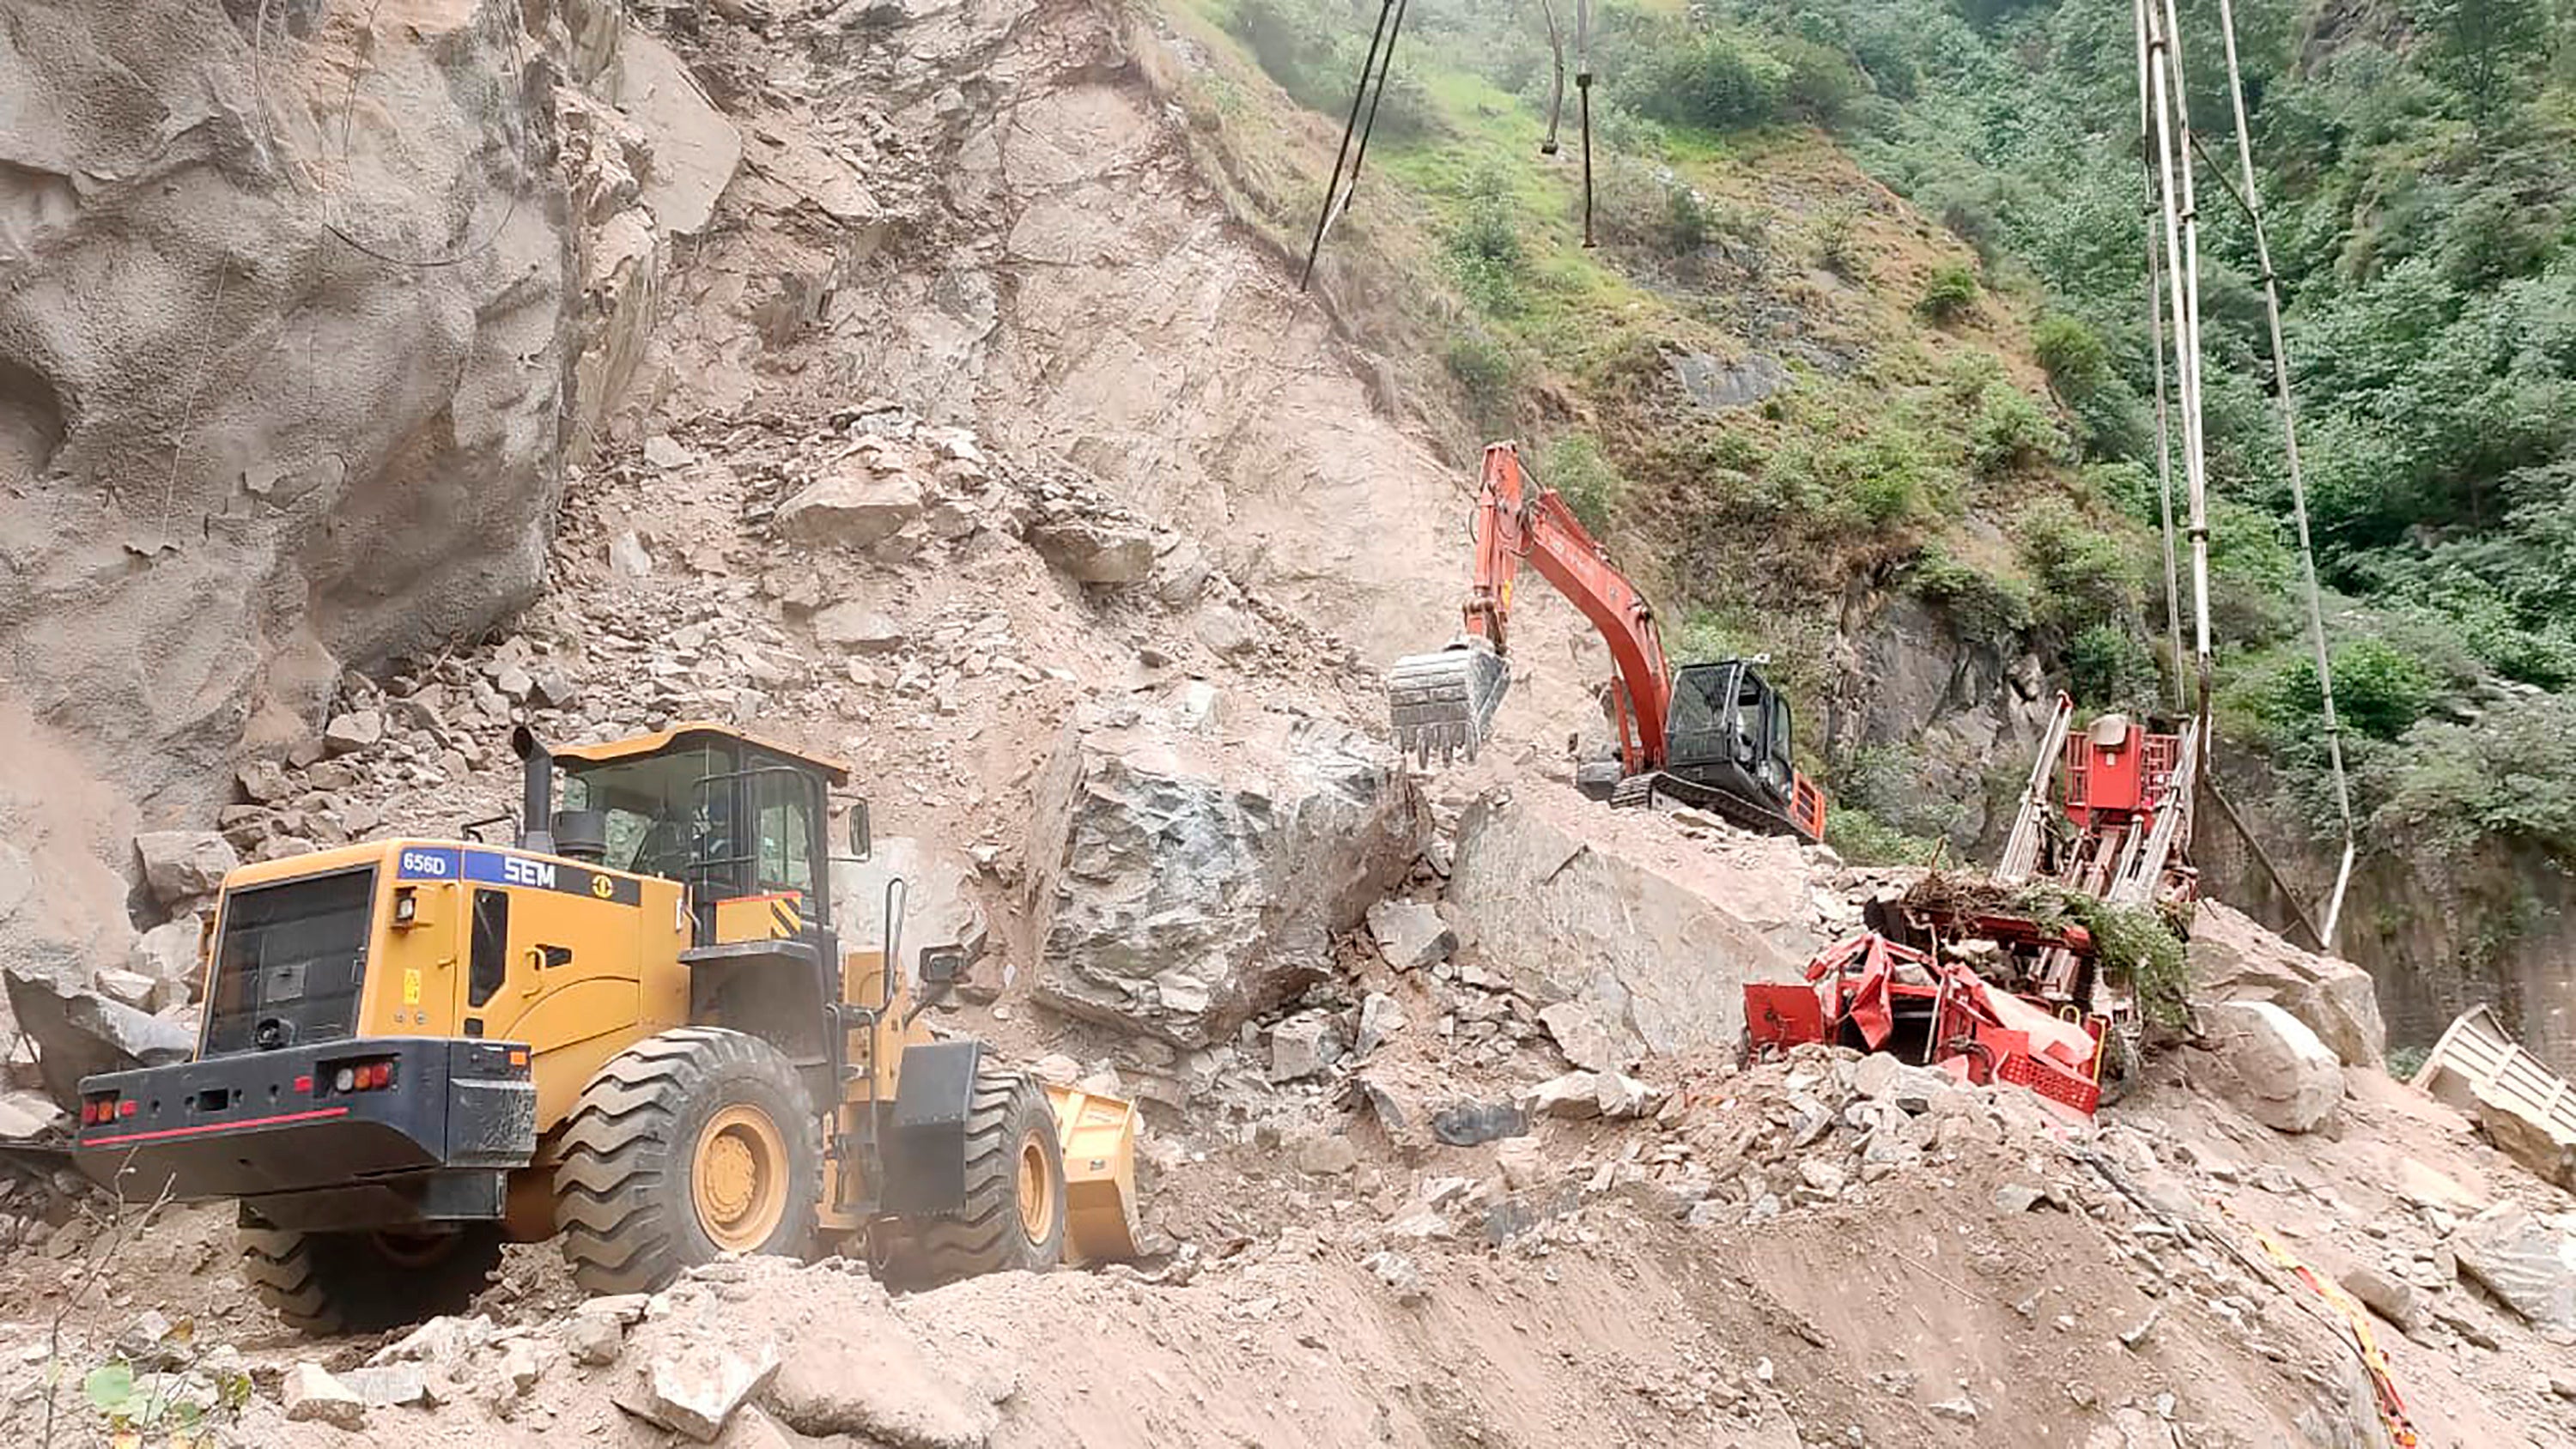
column 1734, row 809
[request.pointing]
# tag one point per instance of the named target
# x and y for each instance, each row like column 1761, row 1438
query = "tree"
column 2481, row 45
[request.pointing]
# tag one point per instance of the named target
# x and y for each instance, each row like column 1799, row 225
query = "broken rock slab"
column 1410, row 934
column 694, row 1388
column 1660, row 957
column 311, row 1395
column 2234, row 959
column 2275, row 1068
column 80, row 1033
column 1093, row 549
column 2528, row 1264
column 850, row 509
column 1575, row 1096
column 1579, row 1032
column 1181, row 883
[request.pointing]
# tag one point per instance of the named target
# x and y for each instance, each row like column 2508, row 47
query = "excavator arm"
column 1443, row 702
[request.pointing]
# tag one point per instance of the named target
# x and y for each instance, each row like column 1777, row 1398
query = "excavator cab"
column 1728, row 745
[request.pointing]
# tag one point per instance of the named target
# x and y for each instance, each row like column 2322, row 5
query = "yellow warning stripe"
column 2392, row 1407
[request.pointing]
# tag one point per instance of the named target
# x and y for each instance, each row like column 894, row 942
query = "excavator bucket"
column 1443, row 703
column 1098, row 1137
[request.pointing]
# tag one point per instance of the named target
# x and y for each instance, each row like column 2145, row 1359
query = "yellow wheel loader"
column 641, row 1029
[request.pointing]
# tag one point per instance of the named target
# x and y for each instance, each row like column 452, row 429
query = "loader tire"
column 323, row 1283
column 686, row 1146
column 1014, row 1212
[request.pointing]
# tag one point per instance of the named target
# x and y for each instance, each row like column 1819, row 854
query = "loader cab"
column 742, row 822
column 1730, row 729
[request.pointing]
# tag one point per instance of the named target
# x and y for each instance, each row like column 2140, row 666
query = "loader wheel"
column 686, row 1146
column 1014, row 1213
column 367, row 1282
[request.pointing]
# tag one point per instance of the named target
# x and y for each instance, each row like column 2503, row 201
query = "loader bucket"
column 1443, row 703
column 1098, row 1137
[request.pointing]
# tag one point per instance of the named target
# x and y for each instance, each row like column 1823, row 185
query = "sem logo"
column 602, row 887
column 429, row 863
column 515, row 871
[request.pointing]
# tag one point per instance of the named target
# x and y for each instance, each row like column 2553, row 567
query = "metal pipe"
column 537, row 802
column 2251, row 200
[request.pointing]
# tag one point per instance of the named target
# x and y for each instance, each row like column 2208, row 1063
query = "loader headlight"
column 344, row 1080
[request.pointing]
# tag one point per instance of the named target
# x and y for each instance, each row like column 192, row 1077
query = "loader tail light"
column 97, row 1110
column 362, row 1077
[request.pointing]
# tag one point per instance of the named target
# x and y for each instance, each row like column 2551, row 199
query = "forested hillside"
column 1951, row 395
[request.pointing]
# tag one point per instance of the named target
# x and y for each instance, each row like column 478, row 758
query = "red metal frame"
column 1976, row 1032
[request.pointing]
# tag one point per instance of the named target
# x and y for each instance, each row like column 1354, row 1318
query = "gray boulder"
column 79, row 1033
column 1094, row 549
column 2529, row 1265
column 1182, row 880
column 180, row 865
column 1657, row 955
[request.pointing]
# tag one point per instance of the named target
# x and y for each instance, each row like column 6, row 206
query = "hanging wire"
column 2251, row 200
column 2172, row 144
column 1376, row 65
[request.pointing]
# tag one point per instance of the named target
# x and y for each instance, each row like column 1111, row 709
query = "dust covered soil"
column 1828, row 1250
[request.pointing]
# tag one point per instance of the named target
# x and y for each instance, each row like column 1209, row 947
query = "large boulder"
column 2234, row 959
column 2274, row 1067
column 1189, row 869
column 851, row 507
column 1655, row 936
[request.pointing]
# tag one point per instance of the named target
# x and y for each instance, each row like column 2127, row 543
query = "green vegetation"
column 1950, row 295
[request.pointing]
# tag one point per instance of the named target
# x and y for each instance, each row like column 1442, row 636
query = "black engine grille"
column 291, row 960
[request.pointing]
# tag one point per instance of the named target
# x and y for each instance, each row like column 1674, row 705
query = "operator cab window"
column 785, row 832
column 660, row 822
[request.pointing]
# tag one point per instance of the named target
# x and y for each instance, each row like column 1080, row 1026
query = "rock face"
column 2233, row 959
column 1660, row 962
column 2280, row 1072
column 234, row 437
column 1182, row 882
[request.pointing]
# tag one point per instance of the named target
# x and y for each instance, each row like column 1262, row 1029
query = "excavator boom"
column 1442, row 703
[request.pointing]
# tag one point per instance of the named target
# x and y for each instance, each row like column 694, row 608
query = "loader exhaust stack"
column 1442, row 703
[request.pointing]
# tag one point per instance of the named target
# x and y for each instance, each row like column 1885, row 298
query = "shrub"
column 2073, row 354
column 1820, row 84
column 1863, row 839
column 2379, row 691
column 1572, row 464
column 1489, row 375
column 2110, row 667
column 1716, row 80
column 2084, row 575
column 1484, row 252
column 1982, row 607
column 1950, row 295
column 2010, row 431
column 1838, row 242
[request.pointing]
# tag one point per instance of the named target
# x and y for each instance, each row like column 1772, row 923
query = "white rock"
column 1619, row 1095
column 861, row 630
column 1410, row 935
column 695, row 1389
column 2529, row 1265
column 1575, row 1095
column 359, row 729
column 1577, row 1029
column 851, row 509
column 2282, row 1074
column 311, row 1395
column 1380, row 1018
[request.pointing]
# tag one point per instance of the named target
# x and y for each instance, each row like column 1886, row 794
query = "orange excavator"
column 1712, row 736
